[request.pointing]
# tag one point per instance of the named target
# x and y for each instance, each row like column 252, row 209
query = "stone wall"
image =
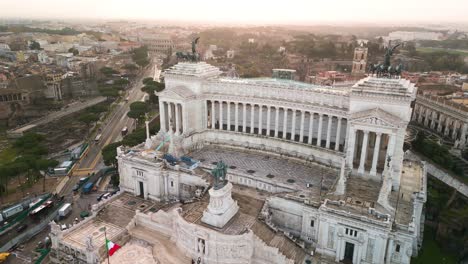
column 211, row 246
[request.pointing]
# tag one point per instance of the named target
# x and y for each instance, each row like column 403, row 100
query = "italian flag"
column 111, row 247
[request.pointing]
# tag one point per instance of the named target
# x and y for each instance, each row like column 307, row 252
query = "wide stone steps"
column 278, row 240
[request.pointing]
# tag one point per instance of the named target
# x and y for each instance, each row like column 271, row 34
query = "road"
column 111, row 130
column 70, row 109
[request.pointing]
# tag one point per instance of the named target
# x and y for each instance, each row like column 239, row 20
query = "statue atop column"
column 219, row 175
column 386, row 186
column 192, row 57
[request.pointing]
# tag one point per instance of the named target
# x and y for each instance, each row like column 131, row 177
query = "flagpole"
column 105, row 243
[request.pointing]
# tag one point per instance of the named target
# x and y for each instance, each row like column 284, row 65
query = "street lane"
column 112, row 127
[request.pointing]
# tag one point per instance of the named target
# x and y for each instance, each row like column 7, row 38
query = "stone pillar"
column 420, row 116
column 362, row 161
column 375, row 157
column 213, row 119
column 244, row 118
column 162, row 116
column 439, row 126
column 276, row 121
column 177, row 118
column 433, row 119
column 268, row 120
column 220, row 115
column 447, row 126
column 228, row 116
column 206, row 114
column 416, row 108
column 464, row 127
column 338, row 135
column 285, row 122
column 260, row 119
column 311, row 128
column 426, row 119
column 301, row 133
column 390, row 149
column 319, row 132
column 236, row 118
column 169, row 108
column 252, row 118
column 330, row 121
column 454, row 131
column 293, row 125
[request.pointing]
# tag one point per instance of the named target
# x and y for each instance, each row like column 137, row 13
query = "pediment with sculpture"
column 376, row 117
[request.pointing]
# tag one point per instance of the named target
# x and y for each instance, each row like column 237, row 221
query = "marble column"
column 244, row 118
column 260, row 117
column 268, row 120
column 301, row 133
column 350, row 147
column 213, row 119
column 464, row 128
column 454, row 131
column 420, row 116
column 169, row 108
column 206, row 114
column 162, row 116
column 362, row 161
column 236, row 118
column 390, row 149
column 177, row 119
column 293, row 125
column 375, row 157
column 285, row 122
column 426, row 119
column 319, row 132
column 276, row 121
column 252, row 118
column 338, row 135
column 220, row 115
column 330, row 122
column 439, row 125
column 447, row 126
column 228, row 116
column 311, row 128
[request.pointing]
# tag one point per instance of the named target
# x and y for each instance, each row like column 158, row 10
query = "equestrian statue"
column 187, row 56
column 385, row 69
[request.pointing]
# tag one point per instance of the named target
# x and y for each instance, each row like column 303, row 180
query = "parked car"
column 76, row 187
column 21, row 228
column 107, row 195
column 99, row 198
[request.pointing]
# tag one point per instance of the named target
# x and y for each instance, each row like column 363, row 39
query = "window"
column 397, row 249
column 312, row 222
column 351, row 232
column 172, row 183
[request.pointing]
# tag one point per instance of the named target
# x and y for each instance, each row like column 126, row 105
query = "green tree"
column 131, row 67
column 44, row 165
column 108, row 71
column 35, row 45
column 147, row 79
column 138, row 111
column 87, row 119
column 109, row 154
column 74, row 51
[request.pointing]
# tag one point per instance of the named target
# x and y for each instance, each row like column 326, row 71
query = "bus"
column 41, row 210
column 98, row 137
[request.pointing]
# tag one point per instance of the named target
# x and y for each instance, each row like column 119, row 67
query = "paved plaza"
column 269, row 168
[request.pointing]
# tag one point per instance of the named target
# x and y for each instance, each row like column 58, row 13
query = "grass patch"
column 7, row 155
column 450, row 51
column 431, row 252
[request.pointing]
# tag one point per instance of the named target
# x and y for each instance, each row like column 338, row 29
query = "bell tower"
column 359, row 60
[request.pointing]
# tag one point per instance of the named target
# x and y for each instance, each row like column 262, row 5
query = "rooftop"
column 305, row 180
column 283, row 83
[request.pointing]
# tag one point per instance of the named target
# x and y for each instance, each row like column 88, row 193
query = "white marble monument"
column 221, row 207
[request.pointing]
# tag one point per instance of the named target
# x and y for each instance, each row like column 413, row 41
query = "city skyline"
column 271, row 12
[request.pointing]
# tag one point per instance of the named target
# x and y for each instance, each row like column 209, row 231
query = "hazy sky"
column 262, row 11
